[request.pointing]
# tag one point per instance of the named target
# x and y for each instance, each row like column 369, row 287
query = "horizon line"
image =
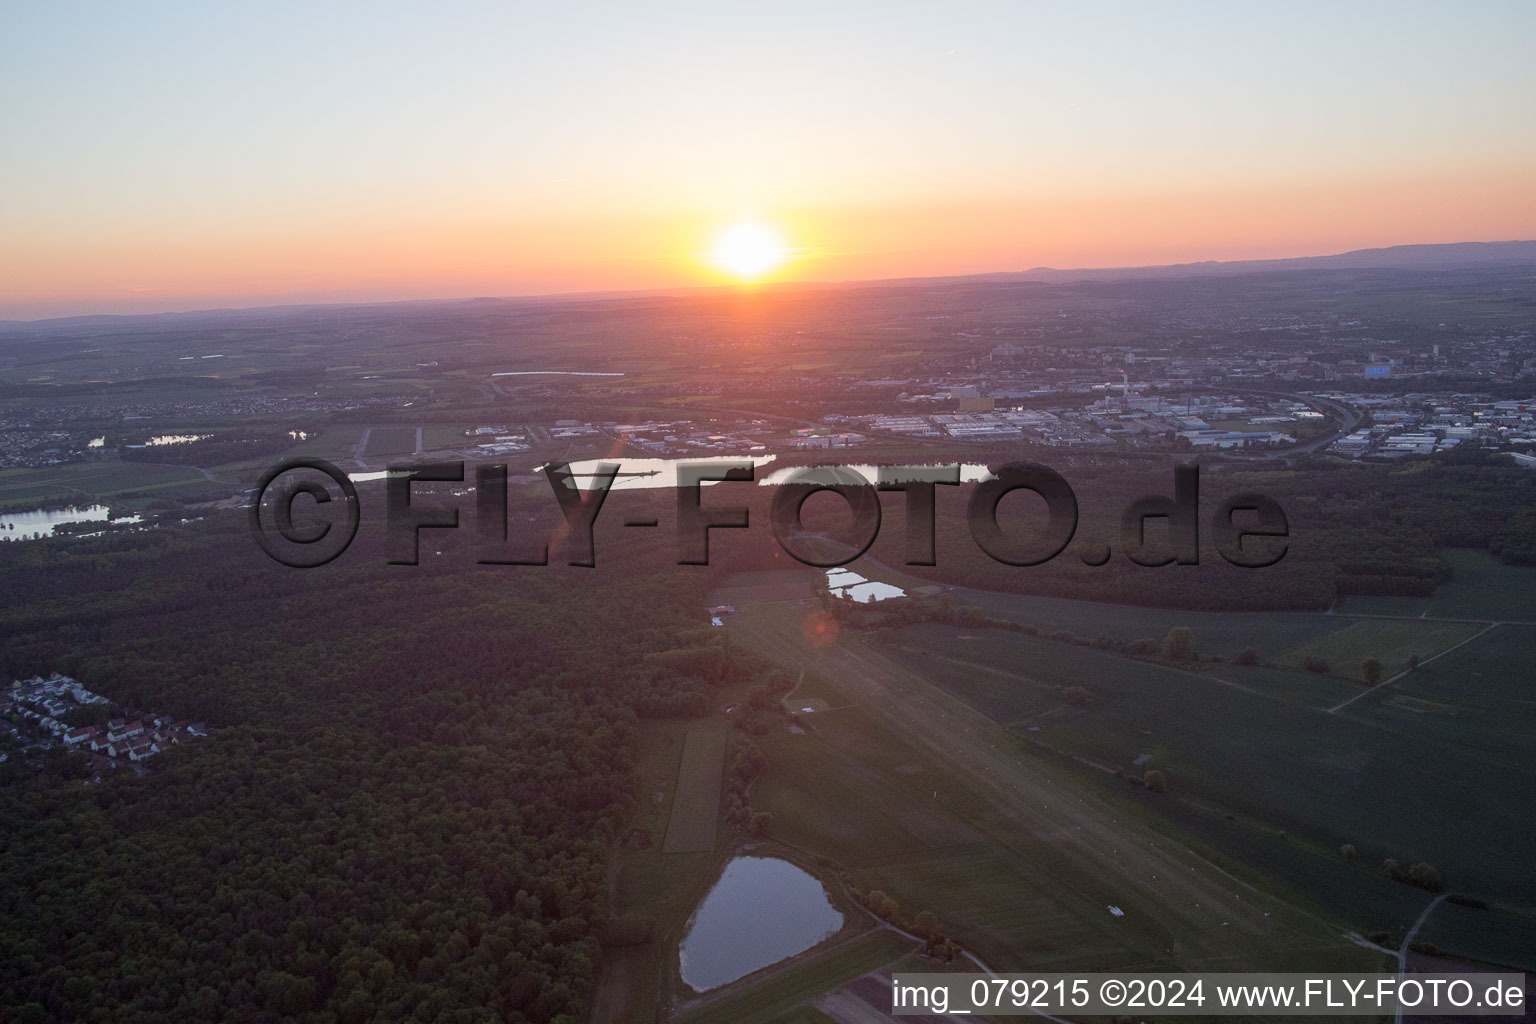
column 663, row 292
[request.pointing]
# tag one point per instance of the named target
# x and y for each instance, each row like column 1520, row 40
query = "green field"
column 1367, row 776
column 438, row 436
column 333, row 441
column 781, row 990
column 1224, row 633
column 803, row 1015
column 1484, row 935
column 661, row 887
column 1389, row 641
column 1264, row 781
column 97, row 479
column 695, row 816
column 1307, row 688
column 992, row 777
column 1018, row 852
column 1483, row 588
column 1479, row 697
column 386, row 441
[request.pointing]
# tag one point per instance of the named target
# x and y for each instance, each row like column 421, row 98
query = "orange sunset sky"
column 176, row 156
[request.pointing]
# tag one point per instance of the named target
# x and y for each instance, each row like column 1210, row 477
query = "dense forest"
column 404, row 811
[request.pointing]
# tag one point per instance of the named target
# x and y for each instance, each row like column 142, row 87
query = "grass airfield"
column 944, row 766
column 947, row 810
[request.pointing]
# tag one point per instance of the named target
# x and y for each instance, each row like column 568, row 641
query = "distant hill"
column 1449, row 256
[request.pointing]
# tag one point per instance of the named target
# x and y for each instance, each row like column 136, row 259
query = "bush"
column 1179, row 644
column 945, row 951
column 1371, row 671
column 1425, row 877
column 1348, row 852
column 1079, row 697
column 1155, row 781
column 1315, row 664
column 1247, row 656
column 883, row 906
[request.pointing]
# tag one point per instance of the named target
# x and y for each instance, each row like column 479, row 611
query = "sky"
column 161, row 156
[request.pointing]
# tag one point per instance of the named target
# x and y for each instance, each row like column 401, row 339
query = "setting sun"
column 748, row 251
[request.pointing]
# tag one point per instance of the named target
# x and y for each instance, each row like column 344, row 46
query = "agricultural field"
column 98, row 479
column 695, row 815
column 1318, row 777
column 1484, row 935
column 661, row 887
column 1223, row 633
column 1478, row 697
column 387, row 441
column 1390, row 641
column 439, row 436
column 1482, row 589
column 1017, row 851
column 332, row 441
column 779, row 991
column 803, row 1015
column 953, row 768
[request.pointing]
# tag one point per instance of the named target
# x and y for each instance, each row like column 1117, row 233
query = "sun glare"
column 748, row 251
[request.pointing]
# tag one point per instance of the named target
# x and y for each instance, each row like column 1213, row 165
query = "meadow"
column 386, row 441
column 1483, row 588
column 776, row 995
column 695, row 811
column 1372, row 775
column 941, row 761
column 98, row 480
column 1224, row 633
column 661, row 888
column 1391, row 642
column 1019, row 852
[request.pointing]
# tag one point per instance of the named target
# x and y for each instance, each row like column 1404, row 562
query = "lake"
column 555, row 373
column 970, row 473
column 643, row 474
column 41, row 522
column 646, row 474
column 638, row 474
column 847, row 583
column 762, row 910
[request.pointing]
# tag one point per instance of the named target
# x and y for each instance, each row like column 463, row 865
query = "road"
column 362, row 446
column 1402, row 952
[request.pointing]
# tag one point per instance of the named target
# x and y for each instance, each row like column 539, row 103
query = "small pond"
column 847, row 583
column 762, row 910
